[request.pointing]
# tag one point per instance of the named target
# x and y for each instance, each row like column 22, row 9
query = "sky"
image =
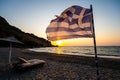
column 33, row 16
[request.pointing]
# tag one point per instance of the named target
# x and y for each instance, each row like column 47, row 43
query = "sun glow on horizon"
column 57, row 43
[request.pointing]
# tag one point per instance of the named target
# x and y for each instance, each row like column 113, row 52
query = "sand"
column 58, row 67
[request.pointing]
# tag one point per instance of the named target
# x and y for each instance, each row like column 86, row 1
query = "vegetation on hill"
column 29, row 40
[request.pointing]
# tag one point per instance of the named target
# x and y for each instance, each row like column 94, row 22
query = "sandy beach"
column 58, row 67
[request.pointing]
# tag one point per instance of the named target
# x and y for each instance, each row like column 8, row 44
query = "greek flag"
column 74, row 22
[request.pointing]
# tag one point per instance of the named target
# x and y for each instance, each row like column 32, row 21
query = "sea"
column 108, row 51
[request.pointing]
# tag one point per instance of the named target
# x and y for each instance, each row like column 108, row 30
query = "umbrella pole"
column 10, row 53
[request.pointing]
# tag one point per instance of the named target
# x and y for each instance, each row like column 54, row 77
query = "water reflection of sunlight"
column 59, row 50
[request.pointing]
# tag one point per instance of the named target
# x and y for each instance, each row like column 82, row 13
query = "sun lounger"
column 25, row 64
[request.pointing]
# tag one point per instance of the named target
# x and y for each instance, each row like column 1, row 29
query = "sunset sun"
column 57, row 43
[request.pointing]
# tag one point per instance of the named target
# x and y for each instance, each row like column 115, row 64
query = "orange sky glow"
column 34, row 16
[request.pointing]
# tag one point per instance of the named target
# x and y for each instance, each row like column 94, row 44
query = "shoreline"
column 60, row 66
column 80, row 55
column 113, row 56
column 103, row 61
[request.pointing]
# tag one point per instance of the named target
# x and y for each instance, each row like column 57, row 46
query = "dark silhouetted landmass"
column 29, row 40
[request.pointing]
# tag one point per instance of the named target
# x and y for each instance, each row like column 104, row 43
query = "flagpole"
column 95, row 49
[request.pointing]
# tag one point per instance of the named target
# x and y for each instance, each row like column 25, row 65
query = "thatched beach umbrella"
column 10, row 40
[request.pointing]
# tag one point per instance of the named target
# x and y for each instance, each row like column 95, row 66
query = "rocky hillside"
column 29, row 40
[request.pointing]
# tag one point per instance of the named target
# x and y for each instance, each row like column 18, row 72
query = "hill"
column 29, row 39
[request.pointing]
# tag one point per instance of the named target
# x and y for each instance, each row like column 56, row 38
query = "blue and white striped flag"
column 74, row 22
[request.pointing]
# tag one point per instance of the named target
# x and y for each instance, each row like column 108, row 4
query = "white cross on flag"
column 74, row 22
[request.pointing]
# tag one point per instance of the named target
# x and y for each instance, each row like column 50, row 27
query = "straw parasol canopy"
column 11, row 40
